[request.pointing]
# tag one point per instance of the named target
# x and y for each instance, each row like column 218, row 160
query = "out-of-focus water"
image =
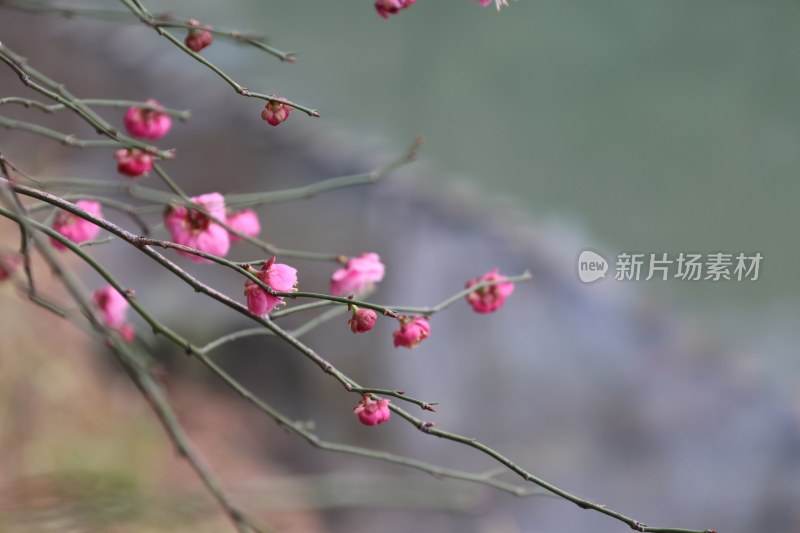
column 660, row 126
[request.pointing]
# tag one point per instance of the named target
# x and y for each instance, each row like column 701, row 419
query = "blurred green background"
column 659, row 126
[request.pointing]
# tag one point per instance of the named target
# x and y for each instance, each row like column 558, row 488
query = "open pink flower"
column 498, row 3
column 198, row 38
column 391, row 7
column 8, row 264
column 412, row 332
column 373, row 412
column 133, row 162
column 278, row 277
column 357, row 275
column 191, row 228
column 75, row 228
column 489, row 299
column 244, row 221
column 114, row 307
column 147, row 122
column 362, row 320
column 276, row 112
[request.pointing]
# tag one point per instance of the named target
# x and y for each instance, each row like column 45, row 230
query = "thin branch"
column 52, row 108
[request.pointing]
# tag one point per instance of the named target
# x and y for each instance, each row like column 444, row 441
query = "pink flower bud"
column 276, row 276
column 411, row 332
column 147, row 122
column 373, row 412
column 133, row 162
column 114, row 307
column 362, row 320
column 192, row 228
column 8, row 264
column 391, row 7
column 498, row 3
column 276, row 112
column 75, row 228
column 198, row 38
column 244, row 221
column 489, row 299
column 360, row 273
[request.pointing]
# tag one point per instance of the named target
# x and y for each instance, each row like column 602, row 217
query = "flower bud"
column 489, row 299
column 276, row 112
column 147, row 122
column 133, row 162
column 362, row 320
column 411, row 332
column 373, row 412
column 198, row 38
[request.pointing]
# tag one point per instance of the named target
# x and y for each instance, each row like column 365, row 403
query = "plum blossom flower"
column 278, row 277
column 391, row 7
column 275, row 112
column 498, row 3
column 362, row 319
column 8, row 264
column 412, row 332
column 133, row 162
column 198, row 38
column 114, row 307
column 147, row 122
column 245, row 222
column 192, row 228
column 357, row 275
column 489, row 299
column 373, row 412
column 75, row 228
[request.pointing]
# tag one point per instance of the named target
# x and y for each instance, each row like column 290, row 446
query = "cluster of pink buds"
column 133, row 162
column 147, row 122
column 357, row 275
column 114, row 306
column 75, row 228
column 276, row 111
column 8, row 264
column 391, row 7
column 489, row 299
column 372, row 412
column 276, row 276
column 198, row 38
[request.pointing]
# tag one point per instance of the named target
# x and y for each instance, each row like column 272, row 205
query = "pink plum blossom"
column 276, row 112
column 391, row 7
column 489, row 299
column 148, row 122
column 114, row 307
column 198, row 38
column 362, row 320
column 278, row 277
column 245, row 222
column 75, row 228
column 133, row 162
column 498, row 3
column 357, row 275
column 412, row 332
column 373, row 412
column 192, row 228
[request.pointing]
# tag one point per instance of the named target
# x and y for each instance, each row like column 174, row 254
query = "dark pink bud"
column 133, row 162
column 411, row 332
column 114, row 308
column 8, row 263
column 373, row 412
column 147, row 122
column 362, row 320
column 489, row 299
column 391, row 7
column 198, row 38
column 276, row 112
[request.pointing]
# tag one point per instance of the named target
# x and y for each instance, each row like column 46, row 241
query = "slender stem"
column 138, row 9
column 52, row 108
